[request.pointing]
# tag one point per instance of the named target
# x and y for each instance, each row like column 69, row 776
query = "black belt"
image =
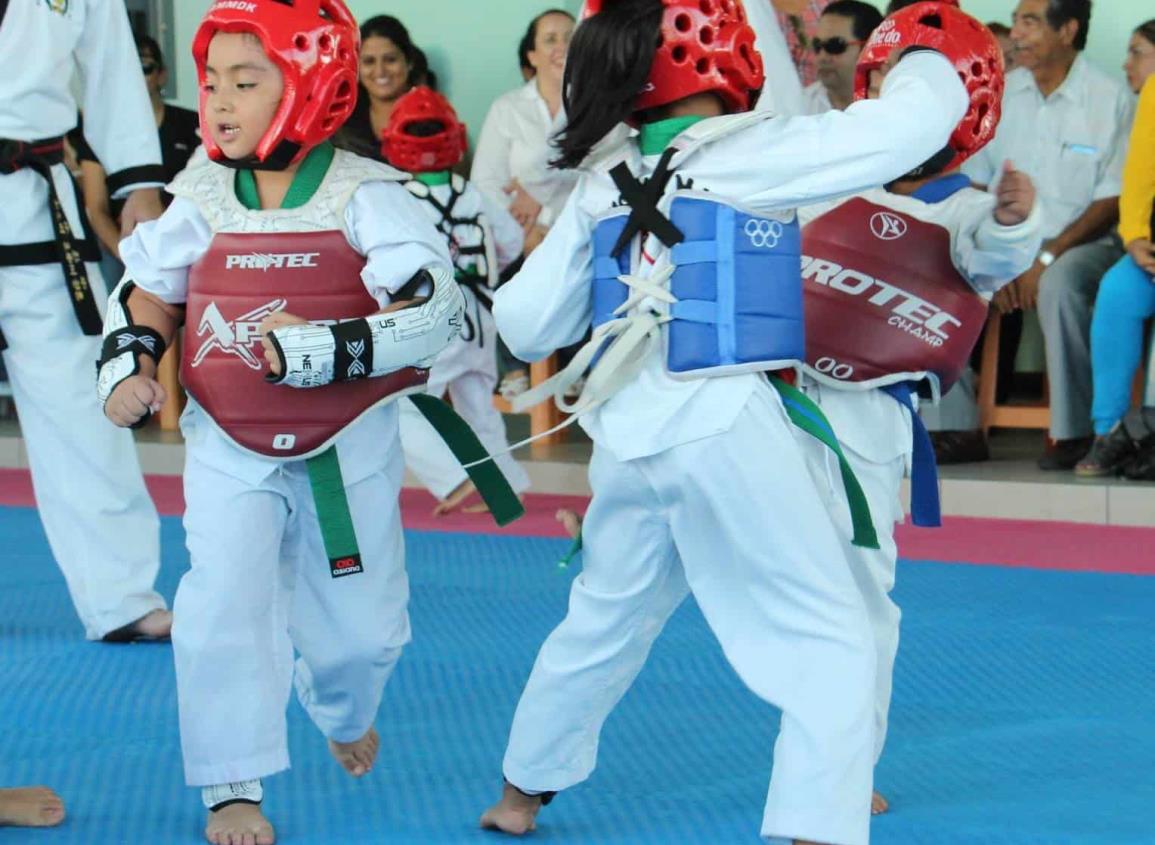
column 67, row 250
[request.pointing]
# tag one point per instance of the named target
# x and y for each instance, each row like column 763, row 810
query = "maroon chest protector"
column 237, row 283
column 884, row 302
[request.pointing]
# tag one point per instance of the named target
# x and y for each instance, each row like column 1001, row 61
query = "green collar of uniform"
column 305, row 183
column 436, row 177
column 656, row 137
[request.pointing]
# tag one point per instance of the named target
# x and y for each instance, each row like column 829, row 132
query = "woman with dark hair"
column 391, row 64
column 511, row 163
column 680, row 248
column 1126, row 298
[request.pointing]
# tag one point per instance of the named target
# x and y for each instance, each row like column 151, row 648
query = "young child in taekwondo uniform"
column 276, row 230
column 681, row 249
column 897, row 283
column 425, row 139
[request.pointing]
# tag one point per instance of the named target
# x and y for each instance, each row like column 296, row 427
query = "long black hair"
column 387, row 26
column 608, row 66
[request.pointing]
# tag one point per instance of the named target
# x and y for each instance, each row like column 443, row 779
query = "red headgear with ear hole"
column 315, row 44
column 967, row 44
column 706, row 47
column 423, row 153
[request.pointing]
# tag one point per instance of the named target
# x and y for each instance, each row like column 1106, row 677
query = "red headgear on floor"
column 426, row 151
column 706, row 47
column 315, row 43
column 967, row 44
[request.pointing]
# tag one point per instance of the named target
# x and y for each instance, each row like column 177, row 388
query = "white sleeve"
column 810, row 158
column 508, row 236
column 809, row 213
column 120, row 127
column 158, row 253
column 1110, row 183
column 389, row 227
column 490, row 172
column 548, row 305
column 990, row 254
column 782, row 93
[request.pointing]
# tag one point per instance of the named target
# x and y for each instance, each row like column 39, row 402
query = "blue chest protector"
column 737, row 280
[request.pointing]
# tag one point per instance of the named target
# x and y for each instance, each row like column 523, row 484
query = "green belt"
column 809, row 417
column 333, row 504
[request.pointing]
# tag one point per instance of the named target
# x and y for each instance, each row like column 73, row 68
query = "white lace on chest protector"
column 212, row 187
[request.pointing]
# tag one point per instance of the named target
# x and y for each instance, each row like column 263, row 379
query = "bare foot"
column 154, row 625
column 878, row 804
column 30, row 806
column 239, row 824
column 453, row 501
column 515, row 813
column 570, row 521
column 357, row 757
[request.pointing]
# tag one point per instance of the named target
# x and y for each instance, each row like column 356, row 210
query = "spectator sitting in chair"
column 179, row 135
column 1066, row 123
column 1127, row 295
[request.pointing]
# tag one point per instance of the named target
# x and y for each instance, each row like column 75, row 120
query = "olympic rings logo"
column 763, row 234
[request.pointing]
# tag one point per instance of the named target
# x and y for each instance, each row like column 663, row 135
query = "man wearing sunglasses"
column 178, row 130
column 844, row 27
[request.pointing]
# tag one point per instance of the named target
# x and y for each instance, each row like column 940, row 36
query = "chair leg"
column 168, row 374
column 989, row 377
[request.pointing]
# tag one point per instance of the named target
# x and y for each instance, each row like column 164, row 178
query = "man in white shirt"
column 1065, row 123
column 843, row 29
column 100, row 521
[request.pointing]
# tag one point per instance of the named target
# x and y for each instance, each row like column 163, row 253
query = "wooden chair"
column 168, row 374
column 991, row 414
column 1036, row 415
column 544, row 415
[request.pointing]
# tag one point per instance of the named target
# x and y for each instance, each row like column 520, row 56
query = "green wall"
column 472, row 43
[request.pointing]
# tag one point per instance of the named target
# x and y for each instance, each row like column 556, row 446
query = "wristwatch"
column 1046, row 258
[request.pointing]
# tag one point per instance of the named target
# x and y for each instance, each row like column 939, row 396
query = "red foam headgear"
column 315, row 44
column 425, row 153
column 706, row 47
column 967, row 44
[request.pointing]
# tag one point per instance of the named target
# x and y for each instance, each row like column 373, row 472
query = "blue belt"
column 925, row 508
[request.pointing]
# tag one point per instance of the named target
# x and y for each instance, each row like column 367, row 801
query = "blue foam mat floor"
column 1023, row 714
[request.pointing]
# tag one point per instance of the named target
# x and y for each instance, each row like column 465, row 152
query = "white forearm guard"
column 124, row 343
column 313, row 355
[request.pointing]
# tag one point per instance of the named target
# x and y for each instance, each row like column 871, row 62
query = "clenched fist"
column 134, row 399
column 1015, row 195
column 278, row 320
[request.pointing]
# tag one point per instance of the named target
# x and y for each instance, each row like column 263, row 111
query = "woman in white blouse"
column 511, row 162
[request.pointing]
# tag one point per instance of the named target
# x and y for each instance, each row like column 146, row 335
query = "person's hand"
column 1006, row 300
column 275, row 321
column 1015, row 196
column 134, row 399
column 533, row 238
column 1027, row 286
column 140, row 206
column 1142, row 252
column 524, row 208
